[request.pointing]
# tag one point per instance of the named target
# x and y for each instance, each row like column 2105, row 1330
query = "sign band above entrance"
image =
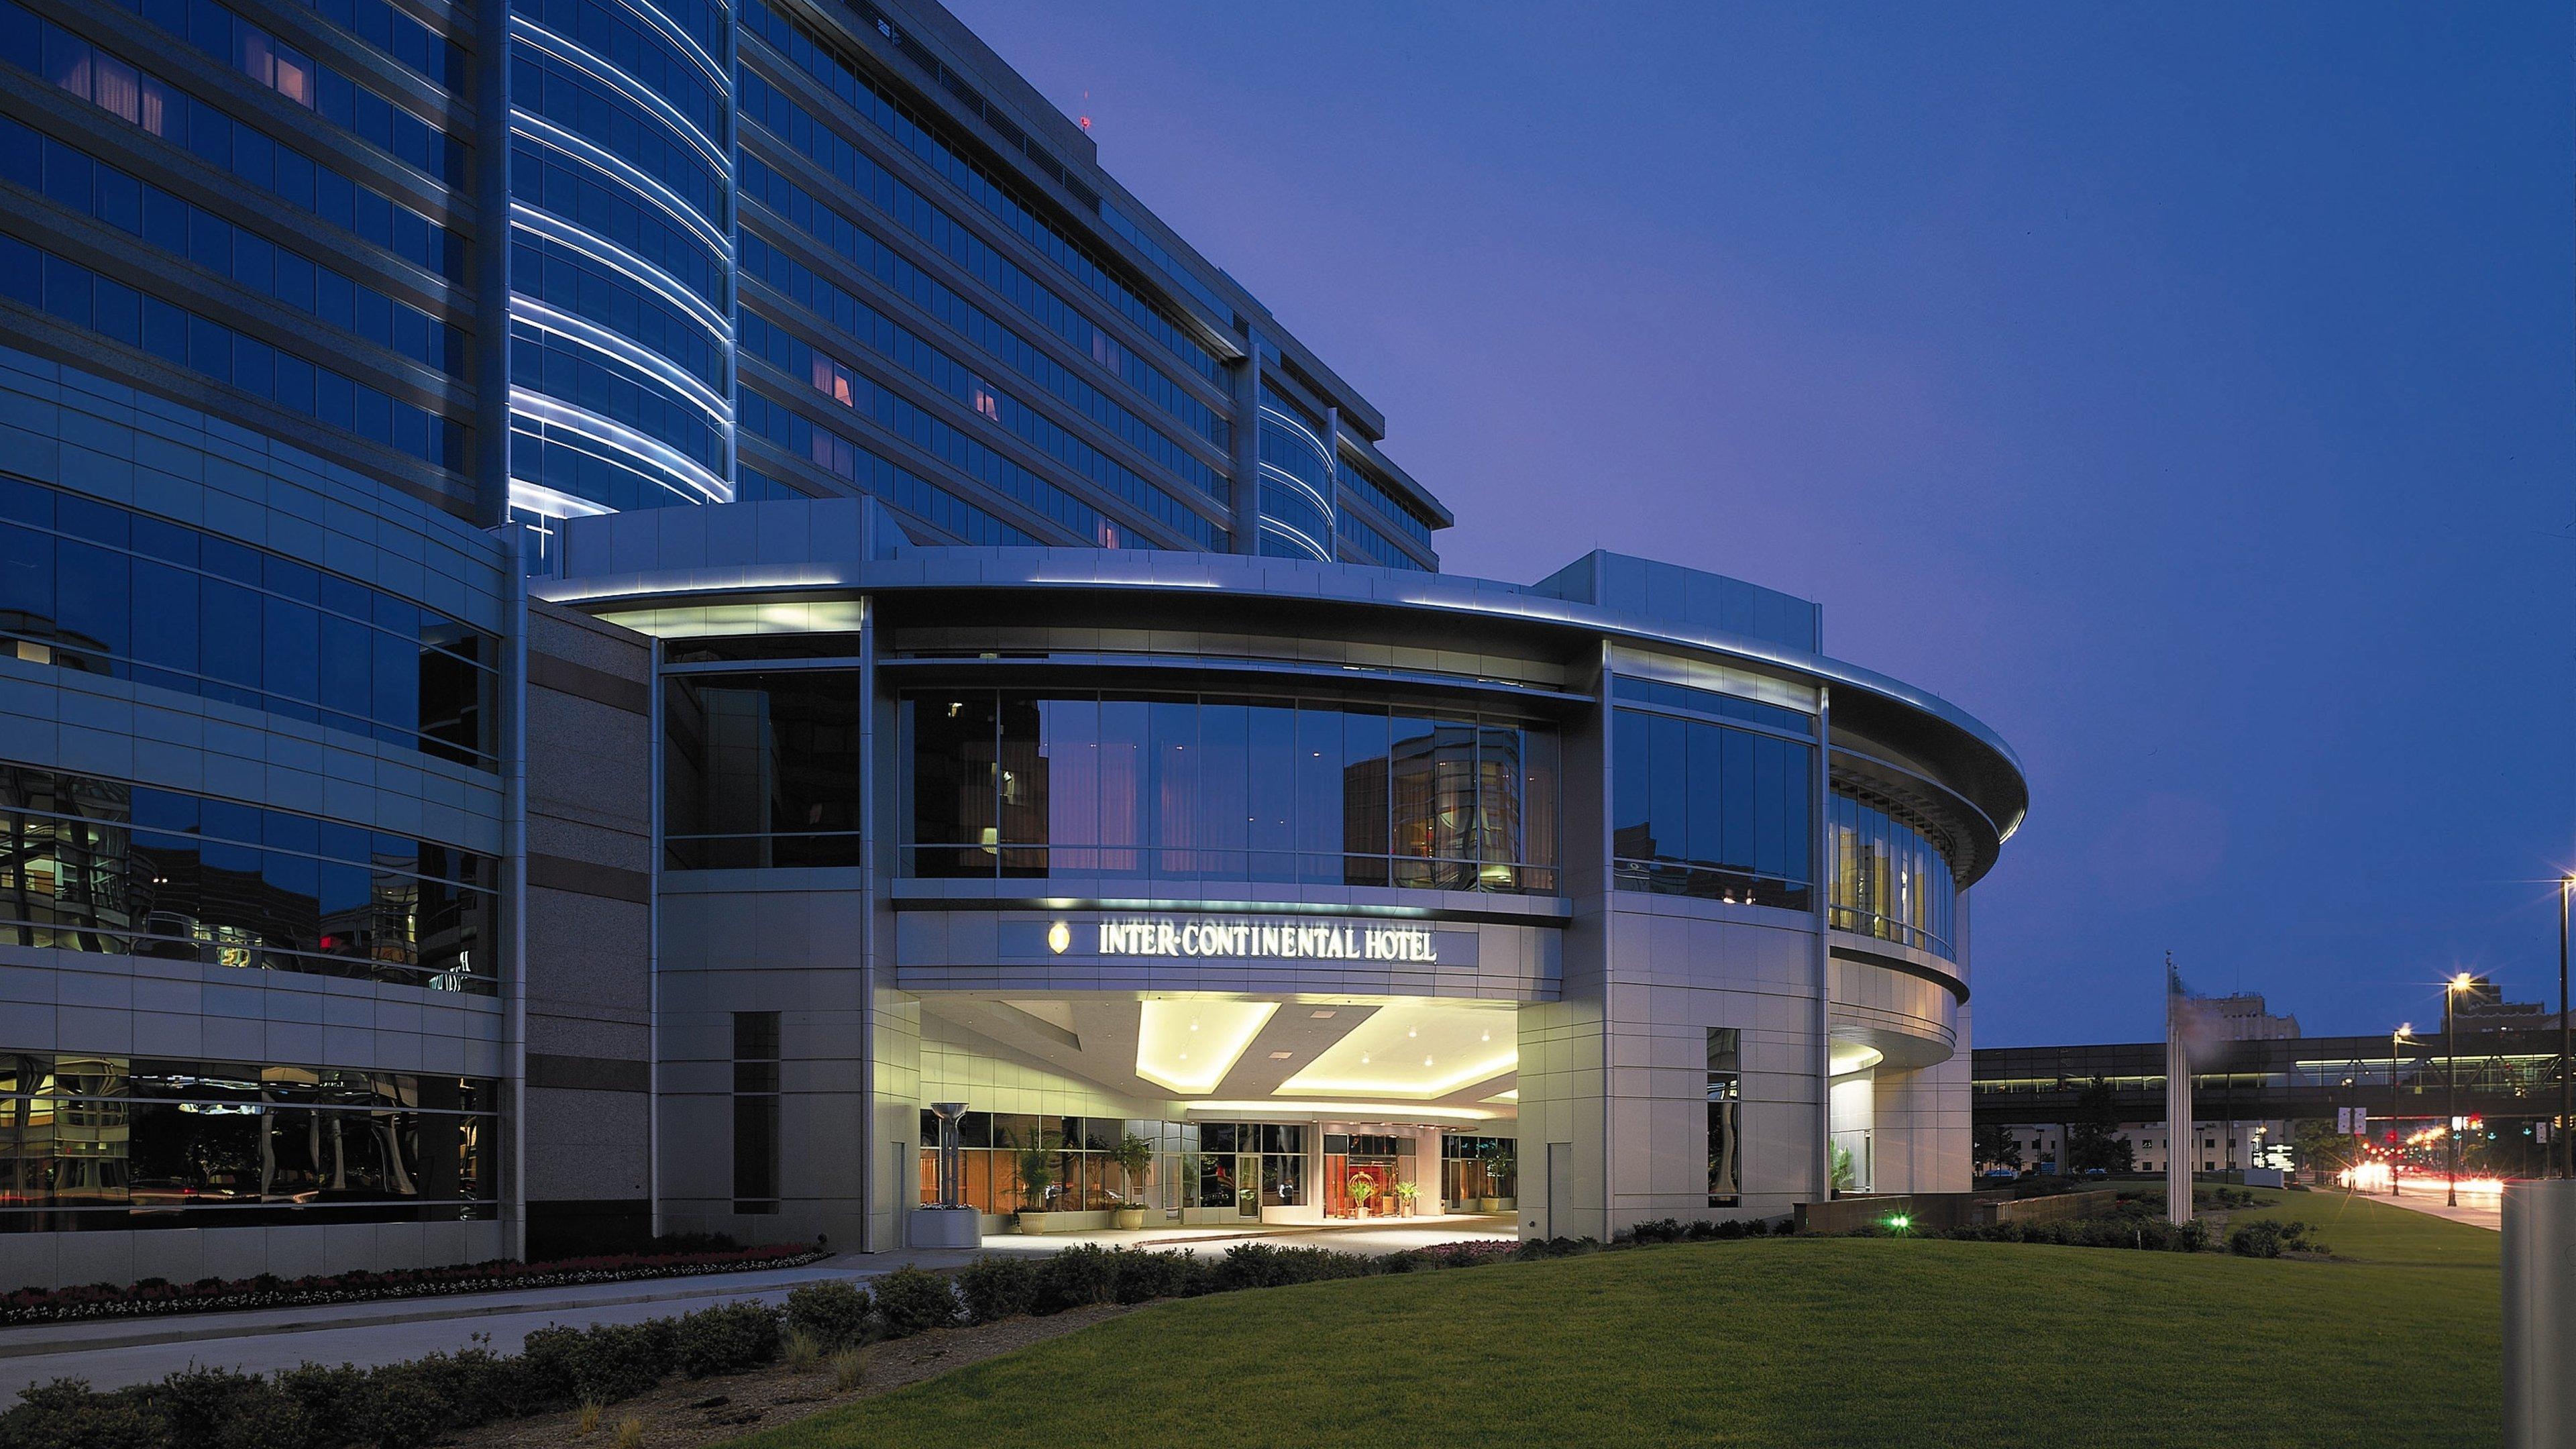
column 1258, row 940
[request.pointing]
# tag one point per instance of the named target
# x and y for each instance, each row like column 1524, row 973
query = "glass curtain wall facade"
column 1023, row 785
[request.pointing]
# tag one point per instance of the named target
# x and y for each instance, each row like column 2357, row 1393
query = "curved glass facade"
column 622, row 177
column 1891, row 880
column 1202, row 787
column 1296, row 488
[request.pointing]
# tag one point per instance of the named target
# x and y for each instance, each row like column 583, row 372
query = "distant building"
column 2242, row 1017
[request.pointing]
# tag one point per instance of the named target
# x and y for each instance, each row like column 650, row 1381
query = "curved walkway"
column 116, row 1352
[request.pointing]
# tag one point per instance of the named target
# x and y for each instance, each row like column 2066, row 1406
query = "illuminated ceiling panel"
column 1405, row 1052
column 1189, row 1045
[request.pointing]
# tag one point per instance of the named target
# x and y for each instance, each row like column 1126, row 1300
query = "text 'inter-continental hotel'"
column 605, row 602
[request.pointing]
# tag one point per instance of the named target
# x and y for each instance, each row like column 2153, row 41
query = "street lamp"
column 2565, row 1153
column 2451, row 1048
column 2396, row 1105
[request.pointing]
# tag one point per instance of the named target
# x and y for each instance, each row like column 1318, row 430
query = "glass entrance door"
column 1247, row 1179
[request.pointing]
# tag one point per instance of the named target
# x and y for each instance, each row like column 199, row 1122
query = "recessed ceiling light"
column 1319, row 1015
column 1281, row 1056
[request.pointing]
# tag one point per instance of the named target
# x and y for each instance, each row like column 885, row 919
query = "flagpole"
column 2180, row 1143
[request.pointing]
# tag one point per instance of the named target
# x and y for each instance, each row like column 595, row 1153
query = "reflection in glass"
column 1710, row 810
column 102, row 865
column 1219, row 788
column 761, row 770
column 112, row 1142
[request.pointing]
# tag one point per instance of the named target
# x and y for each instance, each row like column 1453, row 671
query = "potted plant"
column 1405, row 1193
column 1361, row 1190
column 1037, row 1174
column 1498, row 1171
column 1135, row 1157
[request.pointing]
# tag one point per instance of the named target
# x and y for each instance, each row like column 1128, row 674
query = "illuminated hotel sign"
column 1253, row 940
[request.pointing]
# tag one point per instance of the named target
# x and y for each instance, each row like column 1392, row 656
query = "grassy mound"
column 1887, row 1344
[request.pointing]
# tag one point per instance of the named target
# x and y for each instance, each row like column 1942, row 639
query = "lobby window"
column 755, row 1111
column 1725, row 1116
column 1712, row 810
column 761, row 770
column 1211, row 788
column 1891, row 878
column 132, row 1142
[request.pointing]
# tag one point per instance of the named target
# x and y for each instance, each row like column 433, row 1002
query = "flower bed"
column 215, row 1295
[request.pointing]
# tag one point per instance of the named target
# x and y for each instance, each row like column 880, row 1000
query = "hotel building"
column 603, row 601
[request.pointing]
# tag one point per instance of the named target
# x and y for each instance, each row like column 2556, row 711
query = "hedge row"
column 209, row 1295
column 406, row 1405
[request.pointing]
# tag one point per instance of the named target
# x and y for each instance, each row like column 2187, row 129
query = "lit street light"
column 2559, row 1146
column 2451, row 990
column 2396, row 1106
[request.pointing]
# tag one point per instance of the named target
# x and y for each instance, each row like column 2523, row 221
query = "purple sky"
column 2185, row 392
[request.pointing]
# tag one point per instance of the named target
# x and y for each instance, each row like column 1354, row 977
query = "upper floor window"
column 1203, row 787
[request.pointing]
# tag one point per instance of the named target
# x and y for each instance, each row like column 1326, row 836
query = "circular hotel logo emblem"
column 1059, row 936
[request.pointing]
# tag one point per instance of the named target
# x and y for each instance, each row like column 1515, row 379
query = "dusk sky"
column 2185, row 391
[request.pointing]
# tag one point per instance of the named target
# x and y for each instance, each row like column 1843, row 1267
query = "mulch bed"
column 689, row 1413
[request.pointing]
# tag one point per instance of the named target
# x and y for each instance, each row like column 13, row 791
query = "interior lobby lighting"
column 1166, row 1032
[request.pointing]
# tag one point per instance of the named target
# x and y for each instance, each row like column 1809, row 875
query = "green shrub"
column 1077, row 1276
column 323, row 1403
column 2269, row 1239
column 1659, row 1230
column 400, row 1410
column 911, row 1301
column 998, row 1288
column 833, row 1314
column 727, row 1339
column 615, row 1361
column 1144, row 1276
column 68, row 1414
column 1265, row 1265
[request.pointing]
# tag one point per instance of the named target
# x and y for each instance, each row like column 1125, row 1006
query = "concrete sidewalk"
column 115, row 1352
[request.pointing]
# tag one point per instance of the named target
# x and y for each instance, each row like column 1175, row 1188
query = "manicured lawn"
column 1888, row 1344
column 2369, row 1228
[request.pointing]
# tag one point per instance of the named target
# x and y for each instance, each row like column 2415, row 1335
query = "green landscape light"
column 1900, row 1222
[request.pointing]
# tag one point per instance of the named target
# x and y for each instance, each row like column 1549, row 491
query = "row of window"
column 74, row 294
column 577, row 465
column 90, row 586
column 1286, row 510
column 164, row 110
column 563, row 277
column 228, row 37
column 1006, row 278
column 121, row 1143
column 818, row 59
column 138, row 208
column 803, row 438
column 764, row 184
column 1369, row 546
column 395, row 32
column 796, row 357
column 542, row 85
column 88, row 864
column 642, row 51
column 1389, row 503
column 1891, row 879
column 706, row 22
column 864, row 324
column 1027, row 785
column 605, row 386
column 1710, row 810
column 571, row 188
